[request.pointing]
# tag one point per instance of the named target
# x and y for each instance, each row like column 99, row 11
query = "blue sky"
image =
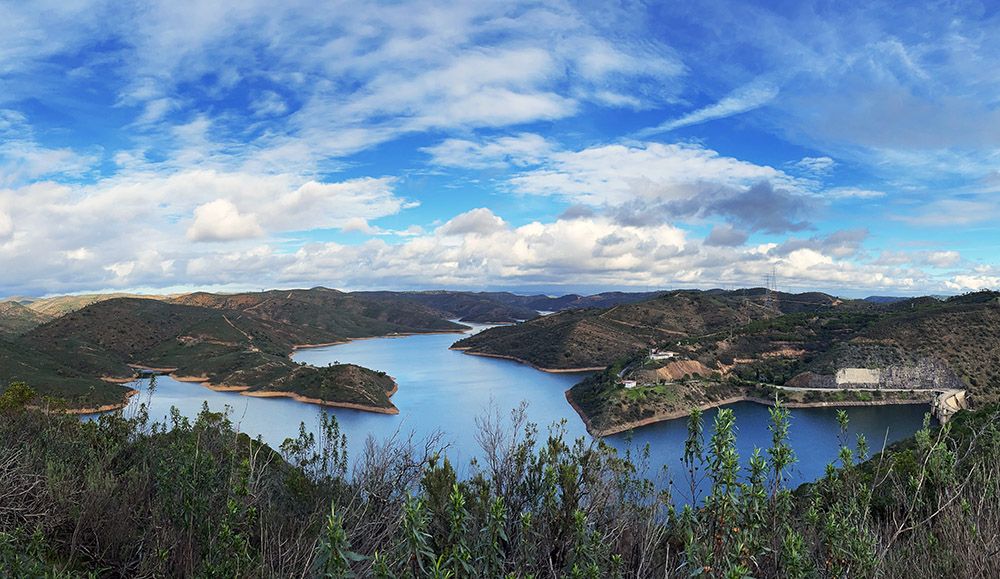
column 499, row 145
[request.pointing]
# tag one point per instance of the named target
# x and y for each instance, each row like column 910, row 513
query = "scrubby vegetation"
column 784, row 339
column 231, row 340
column 122, row 497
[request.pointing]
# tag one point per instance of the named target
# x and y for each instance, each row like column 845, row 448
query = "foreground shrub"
column 120, row 496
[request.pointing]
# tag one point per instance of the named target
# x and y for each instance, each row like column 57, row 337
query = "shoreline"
column 674, row 415
column 152, row 369
column 296, row 347
column 468, row 352
column 305, row 399
column 239, row 389
column 96, row 409
column 246, row 391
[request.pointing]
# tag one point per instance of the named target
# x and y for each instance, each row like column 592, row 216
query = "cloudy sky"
column 531, row 146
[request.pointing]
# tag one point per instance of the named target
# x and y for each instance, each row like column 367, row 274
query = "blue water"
column 442, row 390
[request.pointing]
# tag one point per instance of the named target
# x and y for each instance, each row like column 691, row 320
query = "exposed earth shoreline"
column 297, row 347
column 127, row 397
column 245, row 390
column 527, row 363
column 681, row 413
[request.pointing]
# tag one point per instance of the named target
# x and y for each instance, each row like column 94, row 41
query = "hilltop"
column 237, row 342
column 346, row 315
column 56, row 306
column 16, row 318
column 19, row 314
column 808, row 349
column 505, row 307
column 597, row 337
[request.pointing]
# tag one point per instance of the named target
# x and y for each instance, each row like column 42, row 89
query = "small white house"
column 655, row 354
column 629, row 384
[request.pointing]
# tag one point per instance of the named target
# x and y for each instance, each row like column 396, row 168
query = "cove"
column 442, row 390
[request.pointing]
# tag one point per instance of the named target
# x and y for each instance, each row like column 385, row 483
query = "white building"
column 859, row 376
column 655, row 354
column 629, row 384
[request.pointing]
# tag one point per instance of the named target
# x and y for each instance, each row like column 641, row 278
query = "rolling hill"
column 827, row 352
column 238, row 341
column 56, row 306
column 16, row 318
column 344, row 315
column 583, row 338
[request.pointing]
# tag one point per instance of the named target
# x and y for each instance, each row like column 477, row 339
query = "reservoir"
column 445, row 391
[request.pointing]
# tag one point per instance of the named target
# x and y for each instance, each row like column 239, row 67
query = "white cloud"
column 23, row 159
column 942, row 258
column 144, row 228
column 614, row 174
column 853, row 193
column 816, row 165
column 741, row 100
column 973, row 282
column 79, row 254
column 6, row 226
column 479, row 221
column 587, row 250
column 517, row 150
column 269, row 104
column 220, row 220
column 363, row 77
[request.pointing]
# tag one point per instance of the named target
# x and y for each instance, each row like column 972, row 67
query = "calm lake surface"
column 445, row 390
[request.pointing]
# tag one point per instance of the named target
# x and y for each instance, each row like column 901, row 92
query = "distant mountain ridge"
column 478, row 307
column 16, row 318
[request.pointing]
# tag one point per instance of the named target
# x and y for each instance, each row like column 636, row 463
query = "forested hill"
column 344, row 312
column 347, row 315
column 599, row 336
column 504, row 307
column 776, row 338
column 234, row 341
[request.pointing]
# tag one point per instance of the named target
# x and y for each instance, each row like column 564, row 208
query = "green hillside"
column 915, row 346
column 463, row 306
column 240, row 340
column 16, row 318
column 343, row 315
column 51, row 376
column 582, row 338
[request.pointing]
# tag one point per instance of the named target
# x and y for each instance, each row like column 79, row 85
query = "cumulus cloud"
column 942, row 258
column 220, row 220
column 238, row 121
column 973, row 282
column 142, row 228
column 479, row 221
column 593, row 250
